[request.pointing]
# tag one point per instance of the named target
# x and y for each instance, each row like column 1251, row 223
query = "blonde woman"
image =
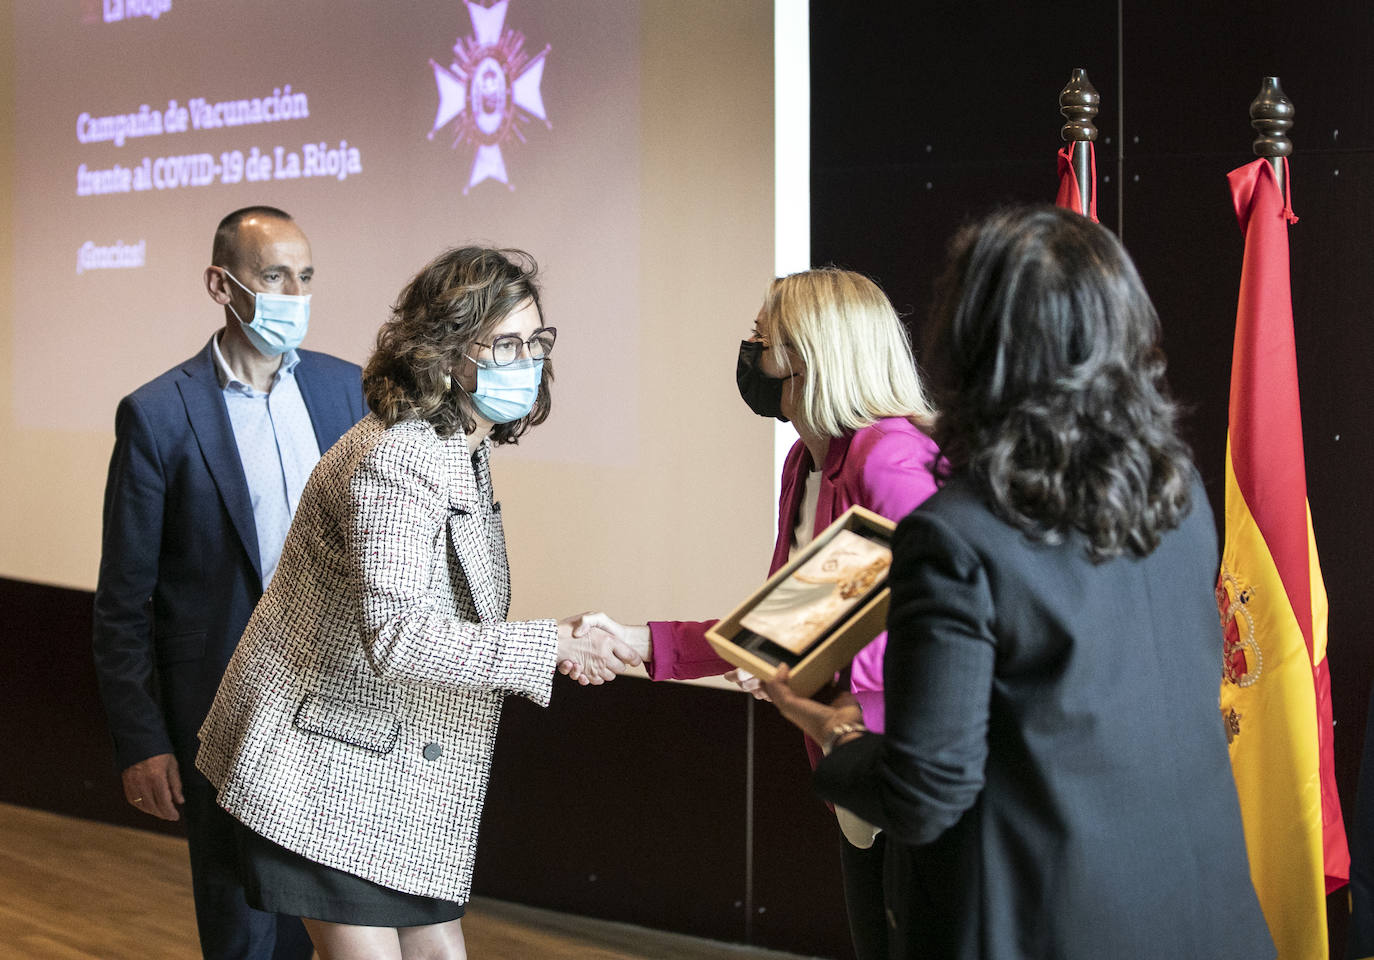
column 829, row 354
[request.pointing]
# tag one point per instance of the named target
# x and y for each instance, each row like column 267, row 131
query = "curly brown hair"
column 455, row 301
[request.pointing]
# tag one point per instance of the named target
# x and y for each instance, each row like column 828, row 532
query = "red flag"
column 1069, row 196
column 1276, row 689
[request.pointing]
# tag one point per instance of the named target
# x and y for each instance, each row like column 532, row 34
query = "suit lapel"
column 798, row 462
column 209, row 418
column 496, row 533
column 330, row 417
column 830, row 504
column 468, row 531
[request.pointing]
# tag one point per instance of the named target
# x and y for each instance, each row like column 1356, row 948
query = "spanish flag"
column 1276, row 688
column 1068, row 196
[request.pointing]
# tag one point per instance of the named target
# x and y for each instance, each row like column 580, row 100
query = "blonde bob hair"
column 854, row 351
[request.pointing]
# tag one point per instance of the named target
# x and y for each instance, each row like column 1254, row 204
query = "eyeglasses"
column 505, row 348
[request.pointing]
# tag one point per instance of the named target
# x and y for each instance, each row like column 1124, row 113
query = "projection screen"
column 630, row 147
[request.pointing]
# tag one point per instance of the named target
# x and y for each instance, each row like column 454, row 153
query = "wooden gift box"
column 817, row 664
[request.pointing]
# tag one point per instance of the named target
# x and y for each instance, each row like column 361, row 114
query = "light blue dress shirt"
column 277, row 448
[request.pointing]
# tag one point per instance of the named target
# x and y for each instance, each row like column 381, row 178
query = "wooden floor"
column 77, row 890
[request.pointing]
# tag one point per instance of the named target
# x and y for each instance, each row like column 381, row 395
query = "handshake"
column 593, row 648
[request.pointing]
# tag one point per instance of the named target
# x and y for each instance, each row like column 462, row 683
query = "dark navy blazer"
column 179, row 566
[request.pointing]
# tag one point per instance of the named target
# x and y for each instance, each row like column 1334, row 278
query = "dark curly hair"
column 1045, row 359
column 455, row 301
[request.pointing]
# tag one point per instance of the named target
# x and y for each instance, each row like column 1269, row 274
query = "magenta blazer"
column 885, row 467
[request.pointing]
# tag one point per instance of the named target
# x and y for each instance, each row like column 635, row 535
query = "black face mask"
column 761, row 392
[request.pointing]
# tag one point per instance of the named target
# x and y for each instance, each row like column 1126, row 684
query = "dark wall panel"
column 626, row 802
column 1332, row 292
column 58, row 754
column 798, row 899
column 925, row 115
column 978, row 81
column 1182, row 233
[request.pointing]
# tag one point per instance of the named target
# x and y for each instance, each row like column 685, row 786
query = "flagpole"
column 1271, row 114
column 1276, row 686
column 1078, row 102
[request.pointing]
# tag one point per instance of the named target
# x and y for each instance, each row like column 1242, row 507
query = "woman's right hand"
column 749, row 683
column 593, row 648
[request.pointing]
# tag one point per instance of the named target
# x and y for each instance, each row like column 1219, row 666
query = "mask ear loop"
column 236, row 280
column 230, row 305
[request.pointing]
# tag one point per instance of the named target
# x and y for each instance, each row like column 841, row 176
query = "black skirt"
column 277, row 880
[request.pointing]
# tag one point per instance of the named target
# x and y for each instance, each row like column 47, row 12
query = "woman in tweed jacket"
column 353, row 731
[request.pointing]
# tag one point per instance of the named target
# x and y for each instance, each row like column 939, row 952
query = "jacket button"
column 433, row 751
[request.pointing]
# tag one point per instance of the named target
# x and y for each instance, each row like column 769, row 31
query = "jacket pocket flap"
column 180, row 647
column 370, row 728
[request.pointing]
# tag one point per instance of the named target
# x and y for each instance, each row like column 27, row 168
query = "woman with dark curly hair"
column 353, row 731
column 1053, row 774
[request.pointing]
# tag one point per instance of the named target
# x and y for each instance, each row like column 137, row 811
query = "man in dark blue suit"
column 208, row 464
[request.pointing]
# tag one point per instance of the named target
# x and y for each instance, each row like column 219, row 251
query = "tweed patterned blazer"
column 356, row 720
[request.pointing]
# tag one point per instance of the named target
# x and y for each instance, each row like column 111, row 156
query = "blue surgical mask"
column 279, row 320
column 505, row 394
